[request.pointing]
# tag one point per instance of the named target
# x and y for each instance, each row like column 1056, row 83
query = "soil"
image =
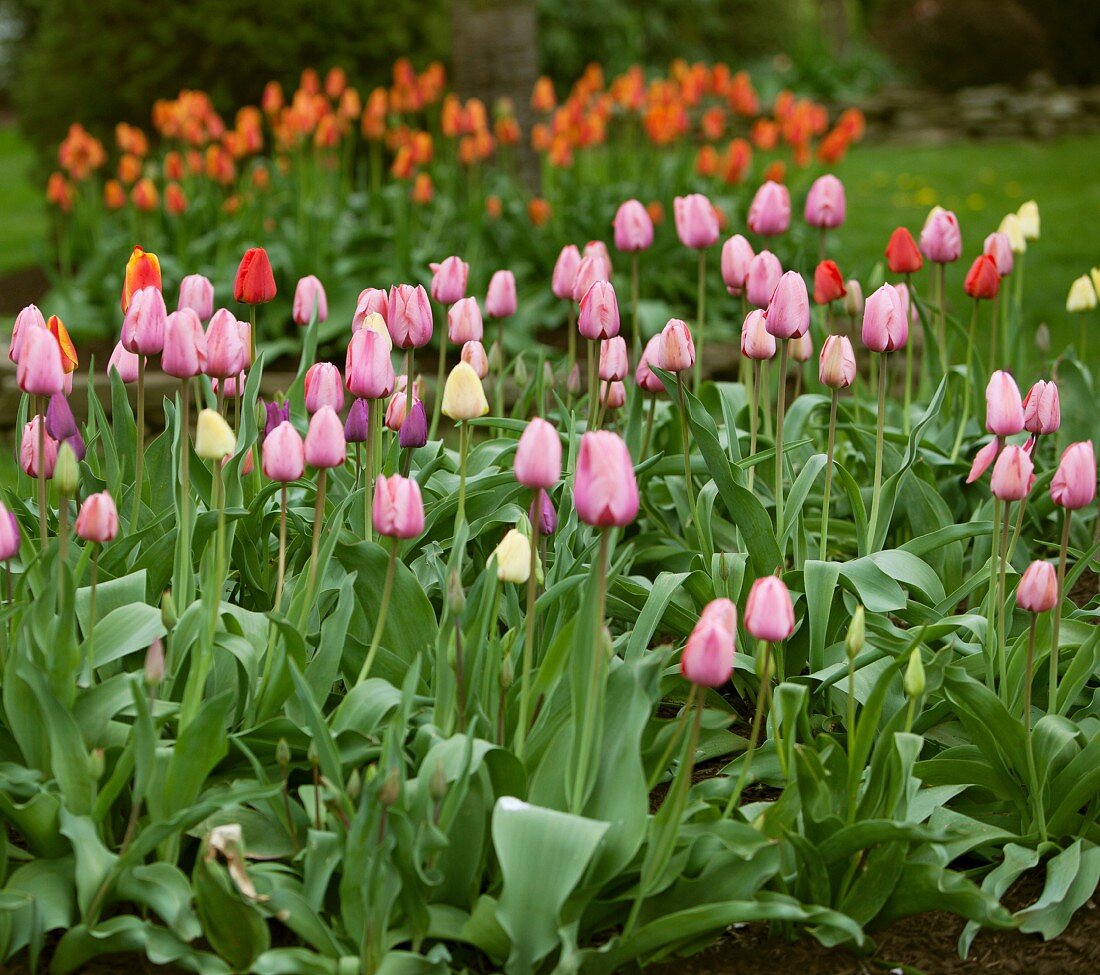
column 20, row 288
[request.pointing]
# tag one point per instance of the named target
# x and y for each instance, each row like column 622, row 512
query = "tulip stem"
column 440, row 379
column 318, row 517
column 593, row 389
column 941, row 330
column 1001, row 633
column 500, row 369
column 701, row 320
column 410, row 357
column 43, row 530
column 529, row 638
column 666, row 756
column 282, row 549
column 872, row 525
column 969, row 384
column 649, row 425
column 571, row 335
column 91, row 614
column 383, row 609
column 368, row 478
column 994, row 332
column 1056, row 624
column 252, row 334
column 463, row 448
column 634, row 302
column 685, row 442
column 139, row 461
column 185, row 474
column 908, row 364
column 781, row 409
column 762, row 693
column 1035, row 787
column 754, row 416
column 991, row 606
column 828, row 476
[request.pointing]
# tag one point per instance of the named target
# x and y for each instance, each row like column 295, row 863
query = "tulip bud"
column 495, row 357
column 309, row 300
column 474, row 354
column 542, row 514
column 142, row 271
column 644, row 377
column 449, row 280
column 464, row 321
column 788, row 314
column 283, row 454
column 324, row 386
column 914, row 676
column 1074, row 483
column 737, row 255
column 124, row 362
column 414, row 428
column 29, row 317
column 500, row 299
column 573, row 380
column 463, row 395
column 1042, row 410
column 538, row 455
column 940, row 238
column 96, row 764
column 31, row 459
column 828, row 283
column 154, row 663
column 857, row 630
column 168, row 616
column 1013, row 474
column 825, row 203
column 853, row 299
column 9, row 534
column 143, row 328
column 66, row 472
column 371, row 302
column 633, row 227
column 1011, row 229
column 197, row 293
column 225, row 352
column 357, row 424
column 998, row 247
column 520, row 371
column 255, row 283
column 696, row 222
column 456, row 596
column 282, row 754
column 983, row 280
column 368, row 369
column 769, row 613
column 398, row 508
column 612, row 395
column 437, row 784
column 1028, row 215
column 764, row 274
column 513, row 557
column 565, row 272
column 902, row 255
column 605, row 491
column 214, row 438
column 98, row 518
column 325, row 445
column 837, row 362
column 40, row 371
column 1038, row 589
column 770, row 210
column 409, row 316
column 802, row 348
column 391, row 789
column 183, row 354
column 707, row 659
column 885, row 322
column 1004, row 412
column 599, row 312
column 1082, row 295
column 676, row 350
column 757, row 342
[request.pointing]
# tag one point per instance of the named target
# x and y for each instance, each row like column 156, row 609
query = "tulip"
column 802, row 350
column 902, row 254
column 998, row 246
column 885, row 323
column 214, row 438
column 197, row 293
column 449, row 280
column 500, row 299
column 597, row 248
column 770, row 210
column 599, row 314
column 98, row 519
column 409, row 316
column 825, row 203
column 1004, row 412
column 591, row 269
column 414, row 428
column 1011, row 228
column 828, row 283
column 1012, row 474
column 396, row 411
column 983, row 280
column 357, row 427
column 513, row 558
column 124, row 362
column 676, row 351
column 764, row 274
column 538, row 456
column 633, row 227
column 707, row 659
column 1038, row 589
column 325, row 446
column 940, row 238
column 398, row 508
column 644, row 377
column 184, row 353
column 40, row 371
column 368, row 371
column 788, row 314
column 29, row 317
column 310, row 301
column 983, row 459
column 1042, row 410
column 142, row 271
column 372, row 301
column 605, row 492
column 757, row 342
column 9, row 534
column 737, row 255
column 1082, row 297
column 464, row 321
column 565, row 272
column 37, row 450
column 463, row 395
column 69, row 360
column 244, row 331
column 696, row 221
column 324, row 387
column 276, row 413
column 225, row 353
column 474, row 354
column 143, row 334
column 283, row 454
column 255, row 282
column 836, row 369
column 769, row 613
column 1074, row 483
column 853, row 299
column 612, row 395
column 542, row 514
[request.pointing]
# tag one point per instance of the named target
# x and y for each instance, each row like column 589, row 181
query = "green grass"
column 22, row 207
column 889, row 185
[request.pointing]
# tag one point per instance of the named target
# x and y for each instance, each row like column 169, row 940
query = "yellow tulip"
column 377, row 324
column 1012, row 228
column 1082, row 295
column 214, row 438
column 1029, row 219
column 513, row 556
column 463, row 394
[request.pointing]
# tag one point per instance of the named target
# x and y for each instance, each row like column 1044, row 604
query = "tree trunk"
column 494, row 55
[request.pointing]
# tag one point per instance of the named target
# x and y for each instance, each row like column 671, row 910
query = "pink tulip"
column 940, row 238
column 309, row 299
column 756, row 341
column 885, row 324
column 998, row 247
column 244, row 330
column 605, row 492
column 696, row 221
column 614, row 365
column 737, row 255
column 1042, row 409
column 368, row 370
column 184, row 352
column 29, row 459
column 225, row 351
column 473, row 353
column 284, row 454
column 124, row 362
column 372, row 301
column 500, row 299
column 769, row 613
column 707, row 659
column 29, row 317
column 802, row 348
column 538, row 455
column 398, row 508
column 197, row 293
column 143, row 328
column 324, row 387
column 676, row 352
column 98, row 518
column 770, row 210
column 788, row 314
column 40, row 371
column 982, row 460
column 837, row 362
column 325, row 444
column 612, row 395
column 1013, row 474
column 592, row 268
column 449, row 280
column 464, row 321
column 644, row 377
column 1004, row 413
column 1038, row 589
column 1074, row 483
column 565, row 272
column 9, row 534
column 395, row 411
column 231, row 387
column 597, row 248
column 764, row 274
column 633, row 227
column 825, row 203
column 409, row 316
column 542, row 513
column 599, row 316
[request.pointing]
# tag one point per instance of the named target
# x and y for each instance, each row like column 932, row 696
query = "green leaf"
column 1072, row 877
